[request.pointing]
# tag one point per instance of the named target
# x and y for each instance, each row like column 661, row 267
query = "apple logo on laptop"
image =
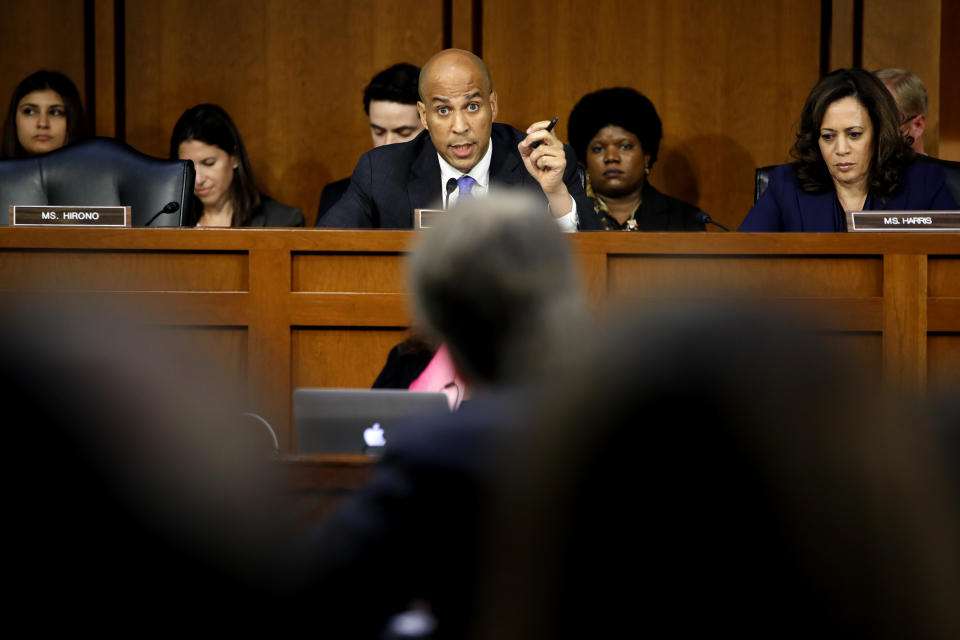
column 373, row 436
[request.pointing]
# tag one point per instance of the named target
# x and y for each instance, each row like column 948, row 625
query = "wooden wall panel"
column 341, row 357
column 277, row 339
column 841, row 35
column 949, row 143
column 944, row 274
column 291, row 73
column 118, row 271
column 105, row 68
column 943, row 362
column 728, row 79
column 783, row 276
column 907, row 35
column 343, row 272
column 41, row 34
column 461, row 24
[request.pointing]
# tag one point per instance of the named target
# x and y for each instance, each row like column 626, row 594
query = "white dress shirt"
column 481, row 174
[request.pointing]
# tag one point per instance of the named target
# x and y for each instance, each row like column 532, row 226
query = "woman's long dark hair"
column 890, row 153
column 77, row 126
column 210, row 124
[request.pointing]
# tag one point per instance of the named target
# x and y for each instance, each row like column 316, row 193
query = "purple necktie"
column 465, row 185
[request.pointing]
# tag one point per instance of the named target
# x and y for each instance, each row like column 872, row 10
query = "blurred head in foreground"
column 722, row 473
column 135, row 492
column 496, row 282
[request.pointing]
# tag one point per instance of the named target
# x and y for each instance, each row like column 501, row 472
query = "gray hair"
column 907, row 88
column 496, row 282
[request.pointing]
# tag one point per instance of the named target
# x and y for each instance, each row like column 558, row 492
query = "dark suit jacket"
column 660, row 212
column 389, row 182
column 784, row 206
column 330, row 196
column 274, row 214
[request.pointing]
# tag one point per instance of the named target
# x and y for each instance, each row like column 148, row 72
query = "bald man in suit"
column 463, row 153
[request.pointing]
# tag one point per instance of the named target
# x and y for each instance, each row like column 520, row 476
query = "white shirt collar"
column 480, row 172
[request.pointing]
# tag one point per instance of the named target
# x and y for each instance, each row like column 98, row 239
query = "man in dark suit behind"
column 463, row 153
column 390, row 101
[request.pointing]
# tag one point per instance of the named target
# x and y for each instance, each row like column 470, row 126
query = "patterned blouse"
column 608, row 222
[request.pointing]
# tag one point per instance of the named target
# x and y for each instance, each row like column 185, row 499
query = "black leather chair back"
column 950, row 168
column 99, row 171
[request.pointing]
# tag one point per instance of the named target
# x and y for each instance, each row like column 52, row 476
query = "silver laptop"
column 357, row 420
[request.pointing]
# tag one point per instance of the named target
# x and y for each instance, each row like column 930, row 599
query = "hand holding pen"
column 544, row 157
column 550, row 127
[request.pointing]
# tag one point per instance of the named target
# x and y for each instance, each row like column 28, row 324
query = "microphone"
column 170, row 207
column 703, row 218
column 451, row 185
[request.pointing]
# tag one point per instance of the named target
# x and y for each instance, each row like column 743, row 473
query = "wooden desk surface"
column 287, row 308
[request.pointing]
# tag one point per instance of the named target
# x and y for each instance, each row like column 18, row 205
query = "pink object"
column 440, row 375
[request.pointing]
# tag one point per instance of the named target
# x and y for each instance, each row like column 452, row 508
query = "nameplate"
column 70, row 216
column 911, row 221
column 426, row 218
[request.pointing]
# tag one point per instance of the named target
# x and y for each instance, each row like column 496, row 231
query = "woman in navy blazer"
column 849, row 156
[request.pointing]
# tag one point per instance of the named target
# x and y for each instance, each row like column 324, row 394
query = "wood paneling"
column 822, row 277
column 944, row 277
column 949, row 84
column 905, row 314
column 943, row 363
column 461, row 24
column 105, row 68
column 45, row 34
column 728, row 79
column 274, row 338
column 333, row 272
column 340, row 357
column 290, row 73
column 907, row 35
column 118, row 271
column 841, row 35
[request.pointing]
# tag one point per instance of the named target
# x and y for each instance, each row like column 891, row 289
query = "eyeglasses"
column 907, row 120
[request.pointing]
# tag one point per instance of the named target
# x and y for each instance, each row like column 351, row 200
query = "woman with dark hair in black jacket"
column 225, row 194
column 616, row 135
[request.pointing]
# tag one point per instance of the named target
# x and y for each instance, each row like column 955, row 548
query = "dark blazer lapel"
column 506, row 166
column 423, row 187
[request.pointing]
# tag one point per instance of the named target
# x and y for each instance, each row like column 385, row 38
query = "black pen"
column 550, row 127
